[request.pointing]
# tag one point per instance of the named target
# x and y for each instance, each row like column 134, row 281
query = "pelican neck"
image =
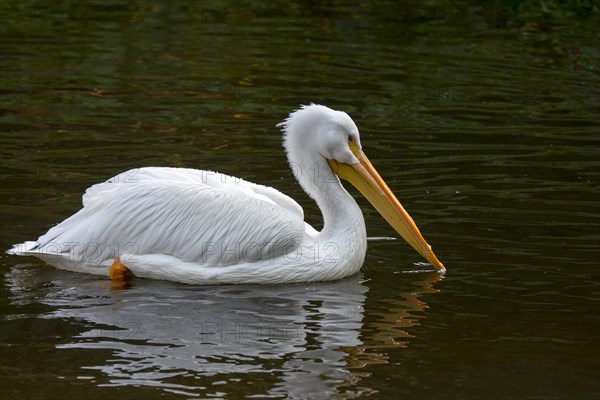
column 341, row 214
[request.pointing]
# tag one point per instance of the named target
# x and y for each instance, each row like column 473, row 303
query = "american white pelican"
column 202, row 227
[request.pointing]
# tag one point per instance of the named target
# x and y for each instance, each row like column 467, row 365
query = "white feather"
column 197, row 226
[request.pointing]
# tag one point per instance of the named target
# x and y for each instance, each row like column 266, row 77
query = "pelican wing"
column 197, row 216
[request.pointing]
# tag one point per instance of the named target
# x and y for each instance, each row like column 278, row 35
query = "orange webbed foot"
column 117, row 270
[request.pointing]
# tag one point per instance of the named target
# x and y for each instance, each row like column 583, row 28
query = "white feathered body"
column 202, row 227
column 198, row 227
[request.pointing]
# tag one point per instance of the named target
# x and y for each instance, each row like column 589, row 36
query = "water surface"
column 483, row 119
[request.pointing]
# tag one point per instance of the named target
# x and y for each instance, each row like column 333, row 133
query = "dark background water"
column 483, row 117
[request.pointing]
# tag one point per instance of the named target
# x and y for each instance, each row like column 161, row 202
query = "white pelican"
column 202, row 227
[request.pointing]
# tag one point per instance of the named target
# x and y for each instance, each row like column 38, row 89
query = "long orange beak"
column 366, row 179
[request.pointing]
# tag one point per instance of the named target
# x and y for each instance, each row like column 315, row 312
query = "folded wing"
column 197, row 216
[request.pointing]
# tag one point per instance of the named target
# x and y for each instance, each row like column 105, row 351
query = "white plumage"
column 202, row 227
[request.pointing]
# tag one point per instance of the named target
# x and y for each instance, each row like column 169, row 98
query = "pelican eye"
column 350, row 139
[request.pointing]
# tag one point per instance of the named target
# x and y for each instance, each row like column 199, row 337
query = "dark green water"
column 482, row 117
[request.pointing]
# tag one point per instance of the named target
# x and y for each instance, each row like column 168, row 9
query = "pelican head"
column 317, row 137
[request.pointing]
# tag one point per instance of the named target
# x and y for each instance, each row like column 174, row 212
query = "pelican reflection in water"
column 300, row 341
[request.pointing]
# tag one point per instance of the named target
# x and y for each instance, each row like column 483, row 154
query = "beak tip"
column 437, row 264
